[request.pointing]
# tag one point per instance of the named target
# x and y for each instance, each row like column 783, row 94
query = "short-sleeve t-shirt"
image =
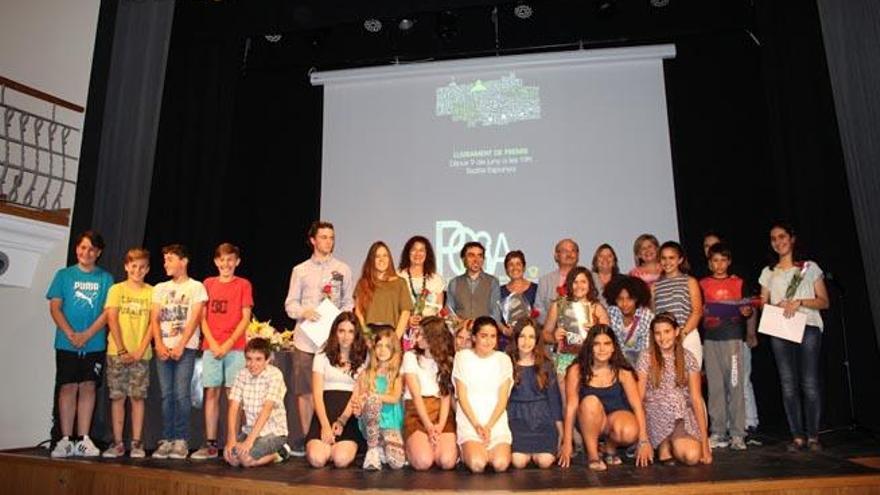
column 776, row 280
column 133, row 313
column 425, row 369
column 435, row 285
column 82, row 296
column 176, row 301
column 719, row 290
column 335, row 378
column 223, row 309
column 389, row 300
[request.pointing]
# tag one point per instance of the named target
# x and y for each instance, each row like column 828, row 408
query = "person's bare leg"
column 85, row 406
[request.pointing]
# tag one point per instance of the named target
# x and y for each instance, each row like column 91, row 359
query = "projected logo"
column 487, row 103
column 451, row 236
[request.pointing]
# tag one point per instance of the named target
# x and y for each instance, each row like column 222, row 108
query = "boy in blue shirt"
column 76, row 303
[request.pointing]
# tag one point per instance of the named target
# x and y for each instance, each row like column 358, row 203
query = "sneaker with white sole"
column 208, row 451
column 64, row 448
column 737, row 443
column 116, row 449
column 137, row 450
column 86, row 448
column 298, row 451
column 179, row 450
column 372, row 462
column 717, row 441
column 163, row 449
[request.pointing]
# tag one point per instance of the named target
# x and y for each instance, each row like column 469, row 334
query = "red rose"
column 425, row 292
column 561, row 291
column 328, row 289
column 444, row 312
column 534, row 314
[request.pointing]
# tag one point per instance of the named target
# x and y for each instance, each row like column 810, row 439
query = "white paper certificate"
column 774, row 323
column 318, row 331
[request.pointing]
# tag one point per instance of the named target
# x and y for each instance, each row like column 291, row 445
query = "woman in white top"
column 429, row 422
column 332, row 437
column 483, row 379
column 418, row 268
column 797, row 286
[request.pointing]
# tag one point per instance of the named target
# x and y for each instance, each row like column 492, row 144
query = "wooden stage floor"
column 767, row 469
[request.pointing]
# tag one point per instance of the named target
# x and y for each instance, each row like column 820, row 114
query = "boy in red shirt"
column 224, row 321
column 724, row 324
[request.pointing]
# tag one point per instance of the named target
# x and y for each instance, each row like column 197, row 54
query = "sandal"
column 795, row 445
column 612, row 459
column 597, row 465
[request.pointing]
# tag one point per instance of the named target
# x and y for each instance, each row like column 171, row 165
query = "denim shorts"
column 264, row 446
column 221, row 372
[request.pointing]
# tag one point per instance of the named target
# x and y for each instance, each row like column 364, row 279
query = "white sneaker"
column 64, row 448
column 163, row 449
column 116, row 449
column 717, row 441
column 737, row 443
column 85, row 448
column 372, row 461
column 179, row 450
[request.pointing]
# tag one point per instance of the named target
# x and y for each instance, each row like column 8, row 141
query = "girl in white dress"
column 483, row 378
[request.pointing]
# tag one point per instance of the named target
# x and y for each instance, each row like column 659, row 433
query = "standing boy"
column 258, row 391
column 76, row 303
column 724, row 333
column 175, row 316
column 128, row 351
column 319, row 277
column 226, row 316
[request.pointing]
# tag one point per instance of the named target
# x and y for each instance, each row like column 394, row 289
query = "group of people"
column 422, row 372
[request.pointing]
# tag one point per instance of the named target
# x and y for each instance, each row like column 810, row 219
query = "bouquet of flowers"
column 263, row 329
column 419, row 307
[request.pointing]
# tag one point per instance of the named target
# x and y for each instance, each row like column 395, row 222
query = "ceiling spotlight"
column 523, row 11
column 605, row 6
column 659, row 3
column 406, row 24
column 273, row 38
column 373, row 25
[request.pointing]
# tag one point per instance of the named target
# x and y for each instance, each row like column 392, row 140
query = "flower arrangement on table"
column 279, row 341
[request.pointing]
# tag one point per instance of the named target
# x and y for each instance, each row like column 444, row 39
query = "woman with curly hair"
column 630, row 315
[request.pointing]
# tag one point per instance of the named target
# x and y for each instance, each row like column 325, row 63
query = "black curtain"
column 851, row 32
column 753, row 131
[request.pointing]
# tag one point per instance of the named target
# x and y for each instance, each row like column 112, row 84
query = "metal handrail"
column 39, row 142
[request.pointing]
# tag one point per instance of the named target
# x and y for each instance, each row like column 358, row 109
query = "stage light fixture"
column 605, row 6
column 659, row 3
column 406, row 24
column 373, row 25
column 273, row 38
column 523, row 11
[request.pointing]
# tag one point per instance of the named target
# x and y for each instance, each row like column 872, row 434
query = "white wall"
column 46, row 44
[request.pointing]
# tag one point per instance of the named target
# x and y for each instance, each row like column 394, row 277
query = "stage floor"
column 761, row 468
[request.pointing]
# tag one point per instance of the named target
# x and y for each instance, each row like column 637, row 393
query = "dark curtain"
column 851, row 32
column 119, row 139
column 130, row 126
column 754, row 138
column 810, row 177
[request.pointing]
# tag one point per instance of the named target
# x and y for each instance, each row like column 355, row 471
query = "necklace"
column 412, row 288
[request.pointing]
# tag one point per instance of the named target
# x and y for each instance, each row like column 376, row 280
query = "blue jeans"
column 174, row 382
column 798, row 366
